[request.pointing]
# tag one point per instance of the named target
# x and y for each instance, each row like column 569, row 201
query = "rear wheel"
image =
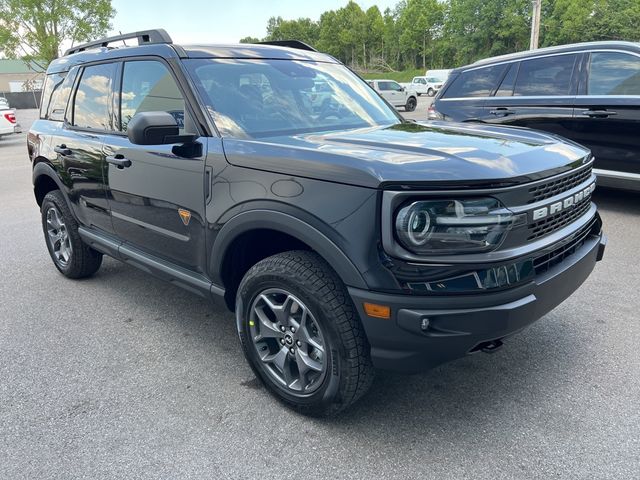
column 411, row 104
column 431, row 92
column 301, row 334
column 71, row 256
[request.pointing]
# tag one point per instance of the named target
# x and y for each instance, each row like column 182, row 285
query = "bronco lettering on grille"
column 569, row 202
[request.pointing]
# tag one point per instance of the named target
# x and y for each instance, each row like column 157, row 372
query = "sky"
column 215, row 21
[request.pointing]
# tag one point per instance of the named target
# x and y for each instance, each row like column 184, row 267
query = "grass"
column 403, row 76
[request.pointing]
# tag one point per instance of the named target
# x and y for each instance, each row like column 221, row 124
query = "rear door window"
column 93, row 97
column 547, row 76
column 613, row 73
column 480, row 82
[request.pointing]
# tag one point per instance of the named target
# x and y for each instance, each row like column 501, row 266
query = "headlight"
column 453, row 226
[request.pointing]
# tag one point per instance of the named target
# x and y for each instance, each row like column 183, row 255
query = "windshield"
column 258, row 98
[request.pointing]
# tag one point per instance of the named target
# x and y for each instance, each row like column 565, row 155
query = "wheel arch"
column 45, row 179
column 280, row 232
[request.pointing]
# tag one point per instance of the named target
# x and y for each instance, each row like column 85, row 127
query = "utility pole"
column 535, row 24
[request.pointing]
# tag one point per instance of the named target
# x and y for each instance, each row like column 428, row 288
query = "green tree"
column 249, row 40
column 35, row 29
column 303, row 29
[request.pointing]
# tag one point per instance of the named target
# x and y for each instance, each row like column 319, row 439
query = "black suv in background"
column 589, row 93
column 343, row 237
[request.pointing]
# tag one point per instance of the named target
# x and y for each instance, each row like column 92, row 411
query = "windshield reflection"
column 264, row 97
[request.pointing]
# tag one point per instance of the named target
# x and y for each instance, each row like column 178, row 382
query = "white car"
column 8, row 123
column 426, row 85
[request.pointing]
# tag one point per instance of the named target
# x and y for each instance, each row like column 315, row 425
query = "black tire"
column 411, row 105
column 348, row 371
column 81, row 260
column 431, row 92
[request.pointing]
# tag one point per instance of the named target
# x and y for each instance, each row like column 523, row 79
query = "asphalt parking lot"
column 124, row 376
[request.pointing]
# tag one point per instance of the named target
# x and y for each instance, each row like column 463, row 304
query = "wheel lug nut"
column 292, row 329
column 299, row 343
column 292, row 350
column 282, row 328
column 282, row 341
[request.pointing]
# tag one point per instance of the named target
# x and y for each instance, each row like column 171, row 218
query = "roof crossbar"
column 145, row 37
column 290, row 44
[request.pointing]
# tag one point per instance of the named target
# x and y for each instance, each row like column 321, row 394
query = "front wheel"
column 411, row 104
column 301, row 334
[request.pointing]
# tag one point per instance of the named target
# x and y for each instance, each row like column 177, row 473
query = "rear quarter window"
column 55, row 96
column 480, row 82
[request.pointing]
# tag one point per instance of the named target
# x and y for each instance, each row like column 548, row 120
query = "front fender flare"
column 289, row 224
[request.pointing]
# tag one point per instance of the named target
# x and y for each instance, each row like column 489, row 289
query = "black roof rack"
column 145, row 37
column 290, row 44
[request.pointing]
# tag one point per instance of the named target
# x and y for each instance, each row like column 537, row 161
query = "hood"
column 413, row 155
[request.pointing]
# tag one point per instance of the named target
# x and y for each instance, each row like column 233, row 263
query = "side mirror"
column 402, row 89
column 155, row 128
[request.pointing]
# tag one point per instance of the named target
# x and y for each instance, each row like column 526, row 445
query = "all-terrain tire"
column 308, row 279
column 78, row 260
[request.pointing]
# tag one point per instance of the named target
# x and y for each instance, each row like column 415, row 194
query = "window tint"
column 546, row 76
column 506, row 87
column 148, row 86
column 91, row 106
column 614, row 74
column 476, row 83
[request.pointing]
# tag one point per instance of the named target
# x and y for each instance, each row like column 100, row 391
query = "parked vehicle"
column 395, row 94
column 8, row 123
column 588, row 92
column 442, row 75
column 425, row 85
column 344, row 239
column 4, row 103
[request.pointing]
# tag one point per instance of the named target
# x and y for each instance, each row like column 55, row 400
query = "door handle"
column 599, row 113
column 119, row 161
column 502, row 111
column 62, row 150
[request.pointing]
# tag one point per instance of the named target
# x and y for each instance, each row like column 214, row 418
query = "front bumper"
column 457, row 325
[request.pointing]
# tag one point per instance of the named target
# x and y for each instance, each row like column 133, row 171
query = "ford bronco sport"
column 344, row 237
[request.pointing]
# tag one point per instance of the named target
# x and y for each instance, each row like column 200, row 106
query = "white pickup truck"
column 424, row 85
column 396, row 94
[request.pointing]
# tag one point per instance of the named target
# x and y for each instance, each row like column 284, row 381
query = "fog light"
column 424, row 325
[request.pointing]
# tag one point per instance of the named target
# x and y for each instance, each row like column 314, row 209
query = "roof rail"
column 145, row 37
column 290, row 44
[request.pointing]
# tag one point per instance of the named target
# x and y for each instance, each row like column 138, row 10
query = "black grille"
column 556, row 222
column 544, row 262
column 556, row 187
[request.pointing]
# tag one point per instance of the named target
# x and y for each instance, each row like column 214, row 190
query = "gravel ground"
column 124, row 376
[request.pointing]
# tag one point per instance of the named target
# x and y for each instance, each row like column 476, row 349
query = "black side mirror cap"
column 156, row 128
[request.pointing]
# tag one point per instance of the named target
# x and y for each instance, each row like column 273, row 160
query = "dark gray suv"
column 343, row 237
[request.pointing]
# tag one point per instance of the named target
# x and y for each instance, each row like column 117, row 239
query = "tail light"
column 11, row 117
column 433, row 114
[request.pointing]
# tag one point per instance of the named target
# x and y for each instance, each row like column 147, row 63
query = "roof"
column 560, row 49
column 18, row 66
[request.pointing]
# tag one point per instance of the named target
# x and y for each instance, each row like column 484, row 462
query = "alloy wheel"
column 288, row 341
column 58, row 237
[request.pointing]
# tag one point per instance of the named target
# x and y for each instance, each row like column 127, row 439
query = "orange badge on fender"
column 185, row 215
